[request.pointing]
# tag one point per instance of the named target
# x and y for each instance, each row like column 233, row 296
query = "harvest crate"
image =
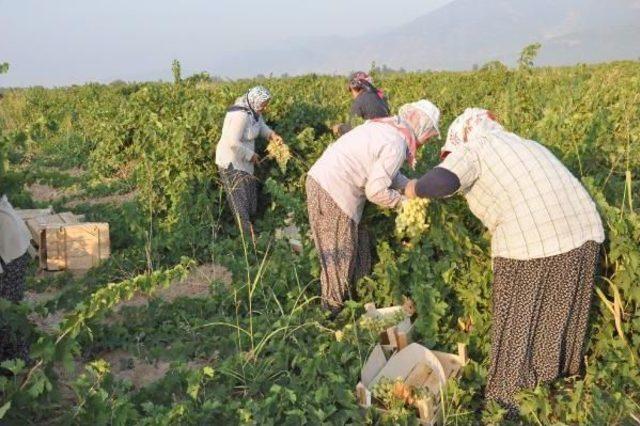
column 74, row 246
column 417, row 368
column 397, row 323
column 37, row 223
column 26, row 214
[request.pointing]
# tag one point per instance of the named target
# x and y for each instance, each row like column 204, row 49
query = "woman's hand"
column 276, row 137
column 410, row 189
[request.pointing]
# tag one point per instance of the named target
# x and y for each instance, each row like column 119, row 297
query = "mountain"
column 464, row 33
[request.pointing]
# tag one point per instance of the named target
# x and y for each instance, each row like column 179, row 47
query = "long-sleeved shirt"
column 363, row 164
column 14, row 234
column 437, row 183
column 367, row 105
column 530, row 202
column 237, row 142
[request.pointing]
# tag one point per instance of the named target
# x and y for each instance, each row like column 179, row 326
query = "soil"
column 49, row 324
column 117, row 199
column 36, row 299
column 125, row 366
column 195, row 286
column 45, row 193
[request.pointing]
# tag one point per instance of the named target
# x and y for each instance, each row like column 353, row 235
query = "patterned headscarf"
column 362, row 81
column 471, row 126
column 414, row 121
column 253, row 101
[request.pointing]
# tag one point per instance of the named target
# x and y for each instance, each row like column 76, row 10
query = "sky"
column 62, row 42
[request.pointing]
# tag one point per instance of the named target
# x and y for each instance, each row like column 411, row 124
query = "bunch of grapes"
column 280, row 152
column 412, row 220
column 383, row 391
column 396, row 398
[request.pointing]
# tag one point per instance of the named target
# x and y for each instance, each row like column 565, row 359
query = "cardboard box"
column 398, row 334
column 418, row 368
column 77, row 246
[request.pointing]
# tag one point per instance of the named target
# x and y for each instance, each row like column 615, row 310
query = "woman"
column 14, row 259
column 236, row 156
column 369, row 102
column 362, row 165
column 546, row 237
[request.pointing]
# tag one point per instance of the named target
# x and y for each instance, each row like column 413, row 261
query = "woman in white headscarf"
column 361, row 165
column 235, row 153
column 546, row 237
column 14, row 260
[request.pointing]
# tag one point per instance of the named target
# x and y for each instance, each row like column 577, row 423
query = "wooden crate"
column 77, row 246
column 38, row 223
column 26, row 214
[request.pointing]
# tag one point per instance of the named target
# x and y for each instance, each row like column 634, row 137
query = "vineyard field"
column 243, row 340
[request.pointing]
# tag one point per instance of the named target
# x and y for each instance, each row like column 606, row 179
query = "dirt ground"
column 46, row 194
column 196, row 285
column 49, row 324
column 117, row 199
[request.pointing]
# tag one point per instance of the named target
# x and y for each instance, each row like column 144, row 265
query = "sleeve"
column 399, row 182
column 265, row 131
column 437, row 183
column 344, row 128
column 233, row 132
column 464, row 163
column 378, row 187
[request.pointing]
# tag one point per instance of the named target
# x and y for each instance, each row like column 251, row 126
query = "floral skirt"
column 540, row 316
column 343, row 246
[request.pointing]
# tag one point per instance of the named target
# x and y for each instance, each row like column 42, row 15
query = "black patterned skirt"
column 343, row 247
column 540, row 317
column 12, row 286
column 242, row 195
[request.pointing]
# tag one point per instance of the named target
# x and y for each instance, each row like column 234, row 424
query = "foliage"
column 176, row 69
column 528, row 54
column 264, row 350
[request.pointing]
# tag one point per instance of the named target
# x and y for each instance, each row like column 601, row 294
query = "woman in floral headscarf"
column 361, row 165
column 235, row 153
column 369, row 102
column 546, row 236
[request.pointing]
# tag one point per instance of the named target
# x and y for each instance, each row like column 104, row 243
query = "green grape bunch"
column 280, row 152
column 411, row 222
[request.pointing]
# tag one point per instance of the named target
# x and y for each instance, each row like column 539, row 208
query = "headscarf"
column 414, row 121
column 472, row 126
column 362, row 81
column 252, row 101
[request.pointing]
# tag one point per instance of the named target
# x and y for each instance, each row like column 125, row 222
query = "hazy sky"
column 59, row 42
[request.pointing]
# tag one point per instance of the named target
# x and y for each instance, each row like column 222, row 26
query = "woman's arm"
column 380, row 182
column 437, row 183
column 458, row 171
column 265, row 131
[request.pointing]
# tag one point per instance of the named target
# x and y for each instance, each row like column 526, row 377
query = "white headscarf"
column 257, row 97
column 472, row 126
column 414, row 121
column 253, row 101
